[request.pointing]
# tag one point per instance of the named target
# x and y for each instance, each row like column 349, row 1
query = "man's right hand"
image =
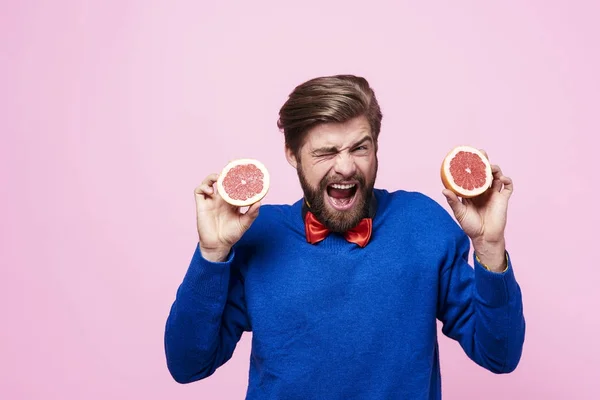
column 220, row 225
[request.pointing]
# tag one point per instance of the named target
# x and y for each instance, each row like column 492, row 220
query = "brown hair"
column 336, row 98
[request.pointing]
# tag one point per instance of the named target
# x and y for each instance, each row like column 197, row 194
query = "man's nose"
column 344, row 165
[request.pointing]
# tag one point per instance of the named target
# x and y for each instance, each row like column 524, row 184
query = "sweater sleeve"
column 481, row 309
column 206, row 320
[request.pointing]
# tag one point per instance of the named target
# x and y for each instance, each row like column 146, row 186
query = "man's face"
column 337, row 167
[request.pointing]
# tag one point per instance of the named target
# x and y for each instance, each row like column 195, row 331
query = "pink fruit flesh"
column 243, row 182
column 467, row 170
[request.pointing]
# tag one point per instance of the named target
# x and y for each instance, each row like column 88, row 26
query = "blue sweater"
column 335, row 321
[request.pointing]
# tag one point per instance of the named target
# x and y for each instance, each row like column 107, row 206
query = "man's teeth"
column 338, row 186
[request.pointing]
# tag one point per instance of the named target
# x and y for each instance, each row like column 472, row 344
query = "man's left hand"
column 483, row 218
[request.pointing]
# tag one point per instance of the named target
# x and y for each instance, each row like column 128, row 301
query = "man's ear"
column 291, row 157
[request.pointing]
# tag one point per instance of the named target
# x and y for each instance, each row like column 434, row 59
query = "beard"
column 335, row 220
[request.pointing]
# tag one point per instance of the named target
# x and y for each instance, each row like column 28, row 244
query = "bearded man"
column 342, row 289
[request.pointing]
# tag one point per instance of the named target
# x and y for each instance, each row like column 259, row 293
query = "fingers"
column 249, row 216
column 206, row 187
column 501, row 182
column 508, row 185
column 484, row 153
column 458, row 208
column 496, row 182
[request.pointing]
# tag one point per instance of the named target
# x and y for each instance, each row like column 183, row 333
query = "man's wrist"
column 492, row 255
column 214, row 255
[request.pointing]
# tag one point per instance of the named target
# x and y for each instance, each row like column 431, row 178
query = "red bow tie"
column 316, row 231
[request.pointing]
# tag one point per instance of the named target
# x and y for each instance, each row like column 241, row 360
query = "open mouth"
column 341, row 196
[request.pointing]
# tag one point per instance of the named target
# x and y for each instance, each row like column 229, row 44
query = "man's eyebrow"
column 325, row 150
column 363, row 140
column 334, row 149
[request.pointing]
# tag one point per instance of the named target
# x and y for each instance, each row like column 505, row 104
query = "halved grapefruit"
column 243, row 182
column 466, row 171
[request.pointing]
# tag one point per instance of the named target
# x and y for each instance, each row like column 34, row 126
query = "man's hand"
column 220, row 225
column 483, row 218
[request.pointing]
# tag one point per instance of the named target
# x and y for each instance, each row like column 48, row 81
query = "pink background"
column 112, row 112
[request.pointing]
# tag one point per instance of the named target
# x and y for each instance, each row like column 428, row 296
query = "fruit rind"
column 464, row 193
column 254, row 199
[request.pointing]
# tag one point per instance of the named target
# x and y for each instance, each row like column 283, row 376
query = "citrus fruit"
column 466, row 171
column 243, row 182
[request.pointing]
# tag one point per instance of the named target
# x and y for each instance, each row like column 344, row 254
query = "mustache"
column 327, row 180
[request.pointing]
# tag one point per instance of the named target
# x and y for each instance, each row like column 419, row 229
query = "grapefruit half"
column 243, row 182
column 466, row 171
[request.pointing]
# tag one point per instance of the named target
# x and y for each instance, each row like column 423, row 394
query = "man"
column 342, row 289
